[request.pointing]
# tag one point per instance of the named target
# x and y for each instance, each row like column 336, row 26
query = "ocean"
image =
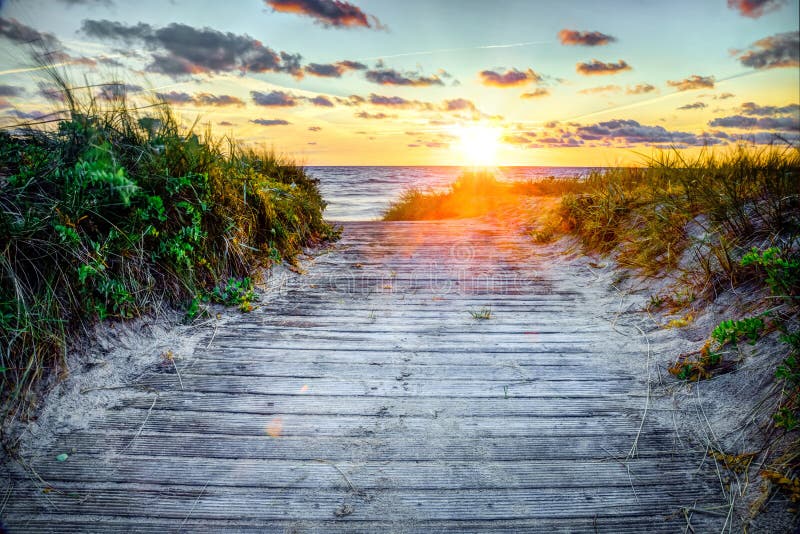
column 363, row 193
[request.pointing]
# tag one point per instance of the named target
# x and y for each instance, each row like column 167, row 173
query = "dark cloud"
column 509, row 78
column 365, row 115
column 200, row 99
column 11, row 90
column 779, row 50
column 386, row 76
column 751, row 108
column 274, row 99
column 314, row 128
column 175, row 97
column 15, row 31
column 595, row 67
column 603, row 89
column 226, row 123
column 207, row 99
column 630, row 132
column 328, row 13
column 50, row 92
column 116, row 91
column 390, row 101
column 179, row 50
column 538, row 93
column 694, row 105
column 692, row 82
column 333, row 70
column 788, row 124
column 574, row 37
column 322, row 101
column 755, row 8
column 270, row 122
column 724, row 96
column 640, row 89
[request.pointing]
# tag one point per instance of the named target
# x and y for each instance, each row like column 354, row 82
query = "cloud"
column 333, row 70
column 595, row 67
column 603, row 89
column 274, row 99
column 779, row 50
column 270, row 122
column 640, row 89
column 117, row 90
column 322, row 101
column 15, row 31
column 724, row 96
column 578, row 38
column 11, row 90
column 788, row 124
column 386, row 76
column 631, row 132
column 515, row 140
column 207, row 99
column 328, row 13
column 365, row 115
column 178, row 49
column 695, row 105
column 755, row 8
column 538, row 93
column 692, row 82
column 510, row 78
column 458, row 104
column 226, row 123
column 175, row 97
column 200, row 99
column 314, row 128
column 390, row 101
column 352, row 100
column 751, row 108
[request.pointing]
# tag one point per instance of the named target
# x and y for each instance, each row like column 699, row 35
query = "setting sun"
column 478, row 145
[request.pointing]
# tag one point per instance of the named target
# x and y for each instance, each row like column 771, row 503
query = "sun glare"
column 478, row 145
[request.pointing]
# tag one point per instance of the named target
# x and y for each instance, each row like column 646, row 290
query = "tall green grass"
column 743, row 197
column 111, row 210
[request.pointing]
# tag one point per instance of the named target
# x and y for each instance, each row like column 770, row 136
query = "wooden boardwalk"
column 365, row 397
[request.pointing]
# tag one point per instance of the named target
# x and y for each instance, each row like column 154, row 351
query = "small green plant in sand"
column 481, row 314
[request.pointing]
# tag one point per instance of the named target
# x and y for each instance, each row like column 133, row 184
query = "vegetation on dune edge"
column 111, row 210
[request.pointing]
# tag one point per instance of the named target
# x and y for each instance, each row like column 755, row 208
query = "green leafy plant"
column 730, row 331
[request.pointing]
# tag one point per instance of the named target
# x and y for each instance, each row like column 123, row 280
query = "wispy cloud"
column 270, row 122
column 539, row 92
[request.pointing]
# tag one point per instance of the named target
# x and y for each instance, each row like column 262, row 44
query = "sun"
column 478, row 145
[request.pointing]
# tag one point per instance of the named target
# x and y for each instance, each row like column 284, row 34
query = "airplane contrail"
column 438, row 50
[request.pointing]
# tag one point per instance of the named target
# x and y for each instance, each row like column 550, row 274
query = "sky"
column 428, row 82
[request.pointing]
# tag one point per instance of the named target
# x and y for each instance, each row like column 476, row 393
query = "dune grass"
column 473, row 194
column 109, row 211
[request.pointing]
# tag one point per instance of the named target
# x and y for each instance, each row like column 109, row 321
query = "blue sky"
column 602, row 118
